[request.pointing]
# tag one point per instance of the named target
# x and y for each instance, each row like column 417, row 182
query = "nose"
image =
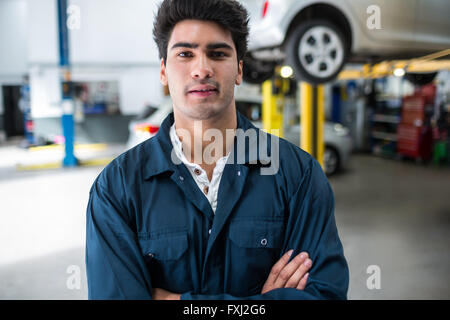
column 202, row 68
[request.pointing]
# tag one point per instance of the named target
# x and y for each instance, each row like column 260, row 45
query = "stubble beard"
column 205, row 110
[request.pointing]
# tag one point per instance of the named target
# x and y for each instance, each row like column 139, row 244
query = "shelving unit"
column 384, row 136
column 399, row 126
column 385, row 117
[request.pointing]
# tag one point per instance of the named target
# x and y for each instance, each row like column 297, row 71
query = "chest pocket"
column 167, row 258
column 253, row 249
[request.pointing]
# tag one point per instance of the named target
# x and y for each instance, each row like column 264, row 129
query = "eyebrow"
column 211, row 46
column 219, row 45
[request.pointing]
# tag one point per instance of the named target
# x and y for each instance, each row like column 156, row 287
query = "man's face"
column 201, row 69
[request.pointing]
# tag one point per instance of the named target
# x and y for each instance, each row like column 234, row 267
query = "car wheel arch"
column 323, row 11
column 338, row 155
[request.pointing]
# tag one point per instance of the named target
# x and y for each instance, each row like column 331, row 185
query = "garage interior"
column 385, row 147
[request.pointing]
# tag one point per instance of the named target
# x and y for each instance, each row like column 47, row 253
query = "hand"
column 289, row 275
column 161, row 294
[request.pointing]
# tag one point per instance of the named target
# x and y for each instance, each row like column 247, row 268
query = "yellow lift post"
column 312, row 120
column 311, row 112
column 273, row 93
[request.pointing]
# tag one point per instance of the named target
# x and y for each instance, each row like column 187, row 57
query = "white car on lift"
column 338, row 143
column 317, row 37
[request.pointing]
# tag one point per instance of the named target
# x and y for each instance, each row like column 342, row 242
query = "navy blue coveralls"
column 149, row 226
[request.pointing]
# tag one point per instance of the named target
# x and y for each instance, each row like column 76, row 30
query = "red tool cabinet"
column 414, row 134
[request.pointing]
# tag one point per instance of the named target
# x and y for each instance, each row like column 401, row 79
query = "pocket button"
column 264, row 242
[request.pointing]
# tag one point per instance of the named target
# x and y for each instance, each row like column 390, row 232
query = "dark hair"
column 229, row 14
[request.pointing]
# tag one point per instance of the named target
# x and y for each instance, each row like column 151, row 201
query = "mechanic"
column 165, row 223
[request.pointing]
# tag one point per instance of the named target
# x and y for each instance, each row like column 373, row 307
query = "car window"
column 147, row 112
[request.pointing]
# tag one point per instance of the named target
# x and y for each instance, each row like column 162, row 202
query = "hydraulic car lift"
column 311, row 111
column 67, row 103
column 386, row 68
column 312, row 97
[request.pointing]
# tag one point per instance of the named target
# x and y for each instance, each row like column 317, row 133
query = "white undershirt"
column 201, row 178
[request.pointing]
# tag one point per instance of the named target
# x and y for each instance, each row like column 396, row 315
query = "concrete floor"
column 395, row 215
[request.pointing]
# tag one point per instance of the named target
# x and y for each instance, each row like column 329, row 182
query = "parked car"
column 317, row 37
column 147, row 124
column 338, row 143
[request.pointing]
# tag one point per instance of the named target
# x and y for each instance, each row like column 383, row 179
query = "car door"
column 432, row 27
column 396, row 21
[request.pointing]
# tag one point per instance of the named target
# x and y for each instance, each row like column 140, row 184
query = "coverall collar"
column 160, row 147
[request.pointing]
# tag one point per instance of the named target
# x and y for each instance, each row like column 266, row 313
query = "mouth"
column 203, row 92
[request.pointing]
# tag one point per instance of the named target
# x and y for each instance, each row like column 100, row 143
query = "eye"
column 218, row 54
column 185, row 54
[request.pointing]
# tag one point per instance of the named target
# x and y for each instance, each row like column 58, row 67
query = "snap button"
column 206, row 189
column 197, row 172
column 264, row 241
column 181, row 178
column 239, row 173
column 151, row 255
column 209, row 231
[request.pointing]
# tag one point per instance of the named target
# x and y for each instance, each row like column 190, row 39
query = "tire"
column 420, row 79
column 256, row 71
column 331, row 161
column 317, row 51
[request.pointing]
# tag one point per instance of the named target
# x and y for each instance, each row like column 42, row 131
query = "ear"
column 239, row 75
column 163, row 74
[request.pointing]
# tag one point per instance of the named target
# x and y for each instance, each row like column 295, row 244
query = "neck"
column 211, row 139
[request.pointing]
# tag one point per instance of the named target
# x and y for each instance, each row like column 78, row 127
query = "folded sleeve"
column 311, row 227
column 115, row 266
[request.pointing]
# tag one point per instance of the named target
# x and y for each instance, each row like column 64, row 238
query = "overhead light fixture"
column 286, row 72
column 399, row 72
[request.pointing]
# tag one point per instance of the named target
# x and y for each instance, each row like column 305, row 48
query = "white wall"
column 42, row 32
column 114, row 42
column 13, row 22
column 13, row 46
column 114, row 32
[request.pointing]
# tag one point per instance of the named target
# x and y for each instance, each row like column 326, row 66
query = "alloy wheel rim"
column 321, row 51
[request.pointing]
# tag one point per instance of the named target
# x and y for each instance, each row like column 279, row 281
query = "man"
column 169, row 220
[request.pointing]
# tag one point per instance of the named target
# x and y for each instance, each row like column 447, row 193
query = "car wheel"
column 331, row 161
column 256, row 71
column 420, row 79
column 317, row 51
